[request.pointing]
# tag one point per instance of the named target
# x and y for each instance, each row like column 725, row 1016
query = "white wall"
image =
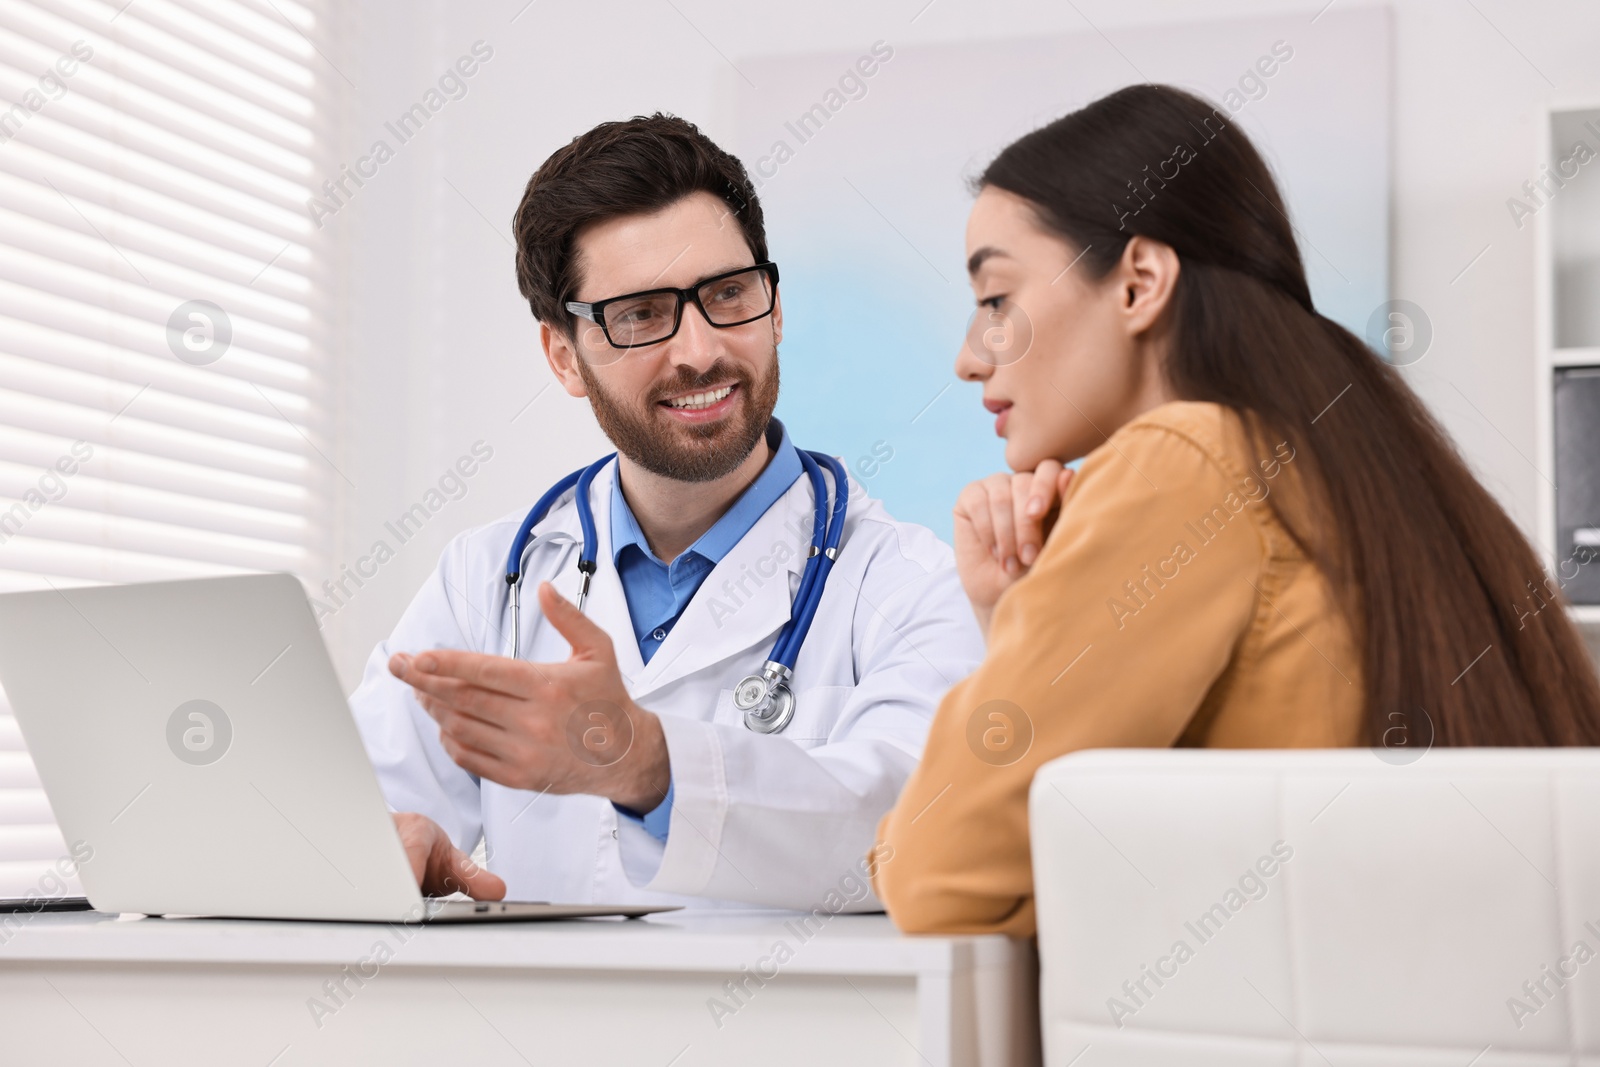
column 439, row 350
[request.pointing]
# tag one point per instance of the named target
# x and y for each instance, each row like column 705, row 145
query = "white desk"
column 88, row 989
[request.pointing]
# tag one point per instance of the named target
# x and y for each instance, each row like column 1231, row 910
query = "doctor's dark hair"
column 1443, row 593
column 631, row 167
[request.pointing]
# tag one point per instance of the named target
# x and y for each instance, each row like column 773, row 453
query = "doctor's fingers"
column 500, row 674
column 438, row 866
column 459, row 874
column 448, row 696
column 516, row 761
column 478, row 748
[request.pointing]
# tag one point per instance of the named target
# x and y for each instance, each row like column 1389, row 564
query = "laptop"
column 195, row 744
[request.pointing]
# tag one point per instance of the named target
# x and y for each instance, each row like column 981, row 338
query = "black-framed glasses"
column 638, row 319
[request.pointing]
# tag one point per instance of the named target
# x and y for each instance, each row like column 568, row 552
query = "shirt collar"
column 773, row 481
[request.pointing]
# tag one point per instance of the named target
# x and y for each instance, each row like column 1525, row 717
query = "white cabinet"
column 1563, row 202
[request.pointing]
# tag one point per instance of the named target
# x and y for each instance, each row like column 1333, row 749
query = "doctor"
column 607, row 757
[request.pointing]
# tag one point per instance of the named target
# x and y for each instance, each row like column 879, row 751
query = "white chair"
column 1244, row 908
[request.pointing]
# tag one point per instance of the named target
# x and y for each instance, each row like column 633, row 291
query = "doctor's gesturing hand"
column 548, row 727
column 1001, row 523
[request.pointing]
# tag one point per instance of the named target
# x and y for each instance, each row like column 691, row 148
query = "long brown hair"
column 1430, row 570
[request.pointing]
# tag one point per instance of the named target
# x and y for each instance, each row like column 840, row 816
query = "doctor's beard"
column 683, row 452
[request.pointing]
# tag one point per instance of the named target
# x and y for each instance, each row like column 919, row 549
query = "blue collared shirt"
column 658, row 592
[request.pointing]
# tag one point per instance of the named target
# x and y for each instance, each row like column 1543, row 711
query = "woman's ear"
column 1147, row 278
column 562, row 355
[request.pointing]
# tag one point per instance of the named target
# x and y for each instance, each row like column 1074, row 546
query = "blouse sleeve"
column 1133, row 609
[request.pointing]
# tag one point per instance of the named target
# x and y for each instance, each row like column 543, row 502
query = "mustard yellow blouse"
column 1169, row 606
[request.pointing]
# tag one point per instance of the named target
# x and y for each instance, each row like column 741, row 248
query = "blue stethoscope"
column 766, row 699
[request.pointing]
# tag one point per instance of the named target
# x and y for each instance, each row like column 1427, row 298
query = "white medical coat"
column 778, row 820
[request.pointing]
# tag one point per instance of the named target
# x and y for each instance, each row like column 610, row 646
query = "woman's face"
column 1064, row 359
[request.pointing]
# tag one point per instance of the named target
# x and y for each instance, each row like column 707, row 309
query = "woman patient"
column 1270, row 542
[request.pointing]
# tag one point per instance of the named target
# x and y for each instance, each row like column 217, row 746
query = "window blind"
column 163, row 390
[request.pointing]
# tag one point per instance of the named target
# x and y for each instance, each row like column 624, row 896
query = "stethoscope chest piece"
column 766, row 699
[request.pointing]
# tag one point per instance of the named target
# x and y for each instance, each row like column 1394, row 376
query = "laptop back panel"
column 193, row 737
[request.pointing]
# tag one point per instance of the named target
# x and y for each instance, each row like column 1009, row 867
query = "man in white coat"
column 603, row 760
